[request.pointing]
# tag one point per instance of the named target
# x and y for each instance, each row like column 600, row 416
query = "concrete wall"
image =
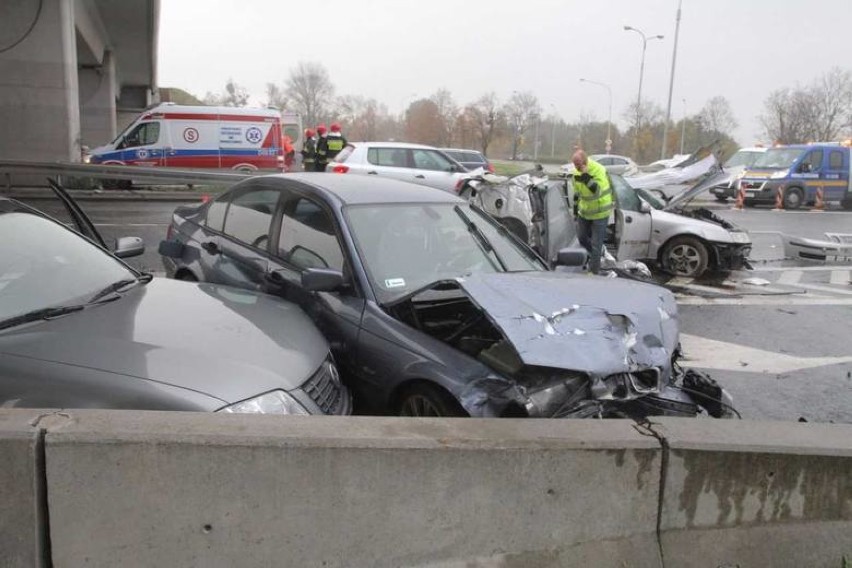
column 175, row 489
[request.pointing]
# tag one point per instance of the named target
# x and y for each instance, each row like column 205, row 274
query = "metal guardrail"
column 135, row 173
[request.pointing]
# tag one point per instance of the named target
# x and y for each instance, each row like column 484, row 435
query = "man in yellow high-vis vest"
column 593, row 204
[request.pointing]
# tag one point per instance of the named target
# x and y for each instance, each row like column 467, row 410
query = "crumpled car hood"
column 596, row 325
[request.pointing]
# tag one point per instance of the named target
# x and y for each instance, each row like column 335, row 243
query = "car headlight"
column 740, row 237
column 275, row 402
column 779, row 175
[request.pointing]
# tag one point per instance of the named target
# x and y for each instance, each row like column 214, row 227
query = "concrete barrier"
column 22, row 522
column 101, row 488
column 756, row 494
column 169, row 489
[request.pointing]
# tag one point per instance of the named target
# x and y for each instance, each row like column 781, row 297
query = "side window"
column 835, row 160
column 250, row 216
column 308, row 239
column 605, row 161
column 625, row 195
column 216, row 214
column 812, row 162
column 143, row 135
column 391, row 157
column 430, row 160
column 619, row 161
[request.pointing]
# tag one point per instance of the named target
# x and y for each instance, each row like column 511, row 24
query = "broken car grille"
column 325, row 389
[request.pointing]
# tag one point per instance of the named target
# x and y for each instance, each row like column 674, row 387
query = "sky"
column 399, row 50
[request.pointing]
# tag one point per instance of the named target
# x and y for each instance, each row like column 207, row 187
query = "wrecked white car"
column 677, row 238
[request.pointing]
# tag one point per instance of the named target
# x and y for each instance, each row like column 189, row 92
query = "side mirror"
column 571, row 257
column 322, row 280
column 171, row 249
column 126, row 247
column 644, row 207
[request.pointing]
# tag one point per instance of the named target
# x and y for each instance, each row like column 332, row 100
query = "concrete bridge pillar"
column 97, row 102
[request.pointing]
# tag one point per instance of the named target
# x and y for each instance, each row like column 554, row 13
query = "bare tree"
column 448, row 111
column 717, row 116
column 423, row 123
column 310, row 90
column 647, row 137
column 522, row 110
column 362, row 119
column 487, row 119
column 275, row 96
column 234, row 95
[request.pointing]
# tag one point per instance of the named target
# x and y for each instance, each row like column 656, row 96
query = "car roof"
column 460, row 150
column 391, row 145
column 358, row 190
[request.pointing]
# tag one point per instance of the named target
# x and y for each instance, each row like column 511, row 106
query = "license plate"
column 750, row 193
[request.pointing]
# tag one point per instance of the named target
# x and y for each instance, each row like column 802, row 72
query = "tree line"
column 519, row 128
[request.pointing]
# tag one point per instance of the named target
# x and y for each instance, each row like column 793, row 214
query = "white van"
column 181, row 136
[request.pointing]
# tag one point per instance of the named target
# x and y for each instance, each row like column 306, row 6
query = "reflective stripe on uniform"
column 603, row 194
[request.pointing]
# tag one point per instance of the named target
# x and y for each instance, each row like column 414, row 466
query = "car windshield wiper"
column 480, row 238
column 118, row 285
column 40, row 314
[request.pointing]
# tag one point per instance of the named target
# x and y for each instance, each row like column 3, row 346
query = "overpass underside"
column 71, row 72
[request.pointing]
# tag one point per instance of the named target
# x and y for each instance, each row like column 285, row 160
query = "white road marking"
column 819, row 288
column 790, row 277
column 840, row 277
column 712, row 354
column 779, row 300
column 801, row 268
column 131, row 224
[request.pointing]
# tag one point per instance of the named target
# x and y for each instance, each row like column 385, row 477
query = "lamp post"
column 609, row 116
column 553, row 131
column 645, row 40
column 671, row 82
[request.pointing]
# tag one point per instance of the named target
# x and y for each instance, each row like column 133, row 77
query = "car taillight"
column 490, row 168
column 340, row 168
column 460, row 184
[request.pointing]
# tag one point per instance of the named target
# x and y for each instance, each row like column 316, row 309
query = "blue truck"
column 800, row 170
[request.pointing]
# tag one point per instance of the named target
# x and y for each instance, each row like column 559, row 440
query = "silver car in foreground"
column 81, row 329
column 414, row 163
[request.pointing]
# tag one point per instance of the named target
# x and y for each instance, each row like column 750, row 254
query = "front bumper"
column 731, row 256
column 760, row 190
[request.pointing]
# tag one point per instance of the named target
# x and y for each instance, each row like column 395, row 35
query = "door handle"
column 372, row 173
column 211, row 247
column 420, row 176
column 628, row 219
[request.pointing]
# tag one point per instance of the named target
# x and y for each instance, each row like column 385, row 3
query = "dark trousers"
column 591, row 235
column 320, row 166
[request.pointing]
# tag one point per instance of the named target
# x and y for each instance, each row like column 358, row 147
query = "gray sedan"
column 80, row 329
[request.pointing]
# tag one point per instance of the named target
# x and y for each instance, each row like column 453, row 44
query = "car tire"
column 794, row 198
column 424, row 400
column 847, row 204
column 685, row 256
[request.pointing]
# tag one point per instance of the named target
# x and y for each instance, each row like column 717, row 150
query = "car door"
column 82, row 223
column 633, row 222
column 237, row 252
column 307, row 236
column 434, row 169
column 835, row 174
column 390, row 162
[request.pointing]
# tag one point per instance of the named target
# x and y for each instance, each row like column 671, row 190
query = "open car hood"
column 703, row 185
column 595, row 325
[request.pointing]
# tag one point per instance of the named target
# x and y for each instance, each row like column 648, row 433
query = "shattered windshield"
column 778, row 158
column 408, row 246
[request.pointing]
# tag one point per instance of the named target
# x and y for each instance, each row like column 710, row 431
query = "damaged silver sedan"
column 433, row 308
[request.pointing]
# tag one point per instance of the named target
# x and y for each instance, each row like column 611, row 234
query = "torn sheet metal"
column 834, row 249
column 674, row 176
column 573, row 322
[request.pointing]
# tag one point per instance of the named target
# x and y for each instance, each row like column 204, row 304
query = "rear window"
column 835, row 160
column 344, row 154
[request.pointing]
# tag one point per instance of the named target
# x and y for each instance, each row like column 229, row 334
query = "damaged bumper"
column 731, row 256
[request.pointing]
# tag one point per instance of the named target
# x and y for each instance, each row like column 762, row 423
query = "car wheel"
column 793, row 198
column 425, row 400
column 846, row 204
column 685, row 256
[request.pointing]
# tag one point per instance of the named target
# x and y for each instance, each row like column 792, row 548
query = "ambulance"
column 189, row 137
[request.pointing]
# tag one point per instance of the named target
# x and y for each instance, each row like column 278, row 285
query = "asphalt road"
column 783, row 349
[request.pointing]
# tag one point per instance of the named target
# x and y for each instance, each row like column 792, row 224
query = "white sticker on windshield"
column 395, row 283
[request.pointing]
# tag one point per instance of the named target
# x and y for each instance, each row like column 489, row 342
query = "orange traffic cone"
column 819, row 206
column 738, row 206
column 779, row 199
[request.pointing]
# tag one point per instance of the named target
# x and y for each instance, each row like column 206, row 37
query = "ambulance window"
column 293, row 131
column 250, row 215
column 835, row 160
column 143, row 135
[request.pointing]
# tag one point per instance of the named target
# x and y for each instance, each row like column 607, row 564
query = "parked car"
column 432, row 308
column 621, row 165
column 679, row 239
column 735, row 166
column 471, row 159
column 81, row 329
column 414, row 163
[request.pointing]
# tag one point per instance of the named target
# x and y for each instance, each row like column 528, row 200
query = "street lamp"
column 671, row 82
column 609, row 118
column 645, row 40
